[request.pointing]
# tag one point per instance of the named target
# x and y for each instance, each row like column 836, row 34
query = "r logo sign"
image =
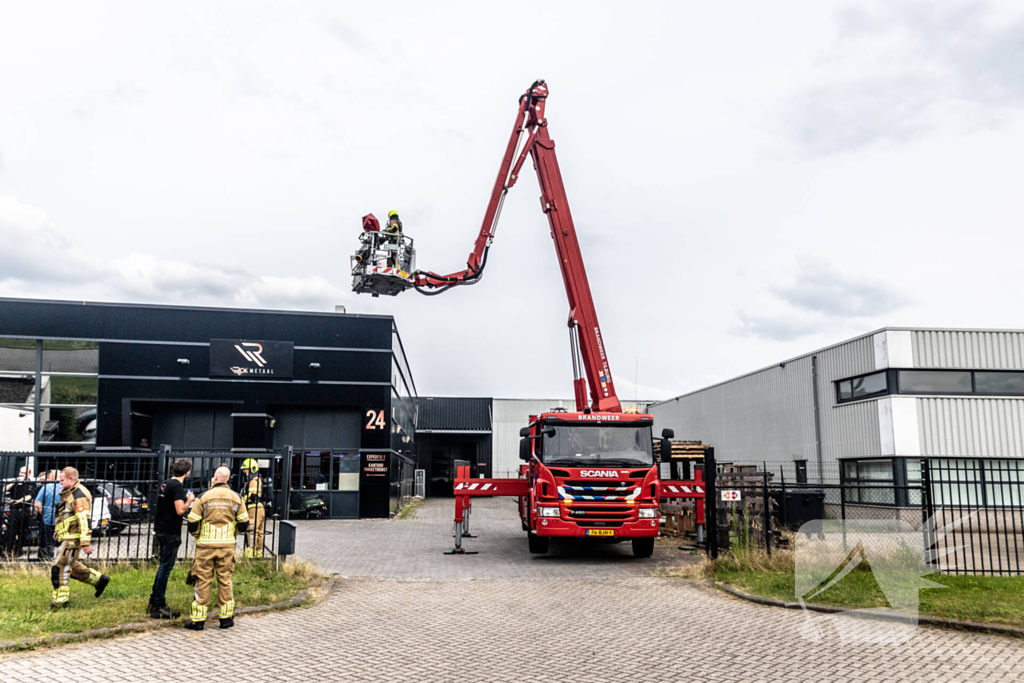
column 731, row 495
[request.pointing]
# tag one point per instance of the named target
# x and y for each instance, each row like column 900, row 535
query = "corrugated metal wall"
column 971, row 427
column 851, row 430
column 511, row 415
column 769, row 415
column 465, row 414
column 976, row 350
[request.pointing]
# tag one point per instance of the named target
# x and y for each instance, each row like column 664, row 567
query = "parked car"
column 100, row 520
column 127, row 504
column 99, row 517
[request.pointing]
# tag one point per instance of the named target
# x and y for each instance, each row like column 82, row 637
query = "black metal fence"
column 124, row 488
column 970, row 511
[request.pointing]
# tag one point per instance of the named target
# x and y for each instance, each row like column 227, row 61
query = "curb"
column 972, row 626
column 8, row 646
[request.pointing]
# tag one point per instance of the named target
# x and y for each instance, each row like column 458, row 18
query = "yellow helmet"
column 251, row 465
column 392, row 214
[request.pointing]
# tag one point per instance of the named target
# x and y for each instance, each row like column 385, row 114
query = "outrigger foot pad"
column 460, row 551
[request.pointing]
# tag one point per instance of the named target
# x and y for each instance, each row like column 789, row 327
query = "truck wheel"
column 538, row 544
column 643, row 547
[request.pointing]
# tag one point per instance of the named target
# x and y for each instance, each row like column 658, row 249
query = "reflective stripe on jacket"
column 72, row 523
column 217, row 511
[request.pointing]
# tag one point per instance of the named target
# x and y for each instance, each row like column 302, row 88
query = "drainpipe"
column 817, row 420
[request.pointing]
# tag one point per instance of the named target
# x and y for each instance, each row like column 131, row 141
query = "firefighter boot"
column 195, row 625
column 227, row 623
column 101, row 584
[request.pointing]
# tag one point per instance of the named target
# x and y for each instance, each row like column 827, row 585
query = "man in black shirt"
column 171, row 505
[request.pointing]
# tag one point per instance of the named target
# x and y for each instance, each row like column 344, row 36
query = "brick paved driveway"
column 509, row 617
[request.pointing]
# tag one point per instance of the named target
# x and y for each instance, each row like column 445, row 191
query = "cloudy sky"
column 750, row 181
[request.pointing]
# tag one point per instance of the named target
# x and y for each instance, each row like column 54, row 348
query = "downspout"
column 817, row 420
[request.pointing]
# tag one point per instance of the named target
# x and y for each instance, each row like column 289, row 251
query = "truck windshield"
column 588, row 445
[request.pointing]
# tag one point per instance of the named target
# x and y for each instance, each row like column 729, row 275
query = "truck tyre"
column 643, row 547
column 538, row 544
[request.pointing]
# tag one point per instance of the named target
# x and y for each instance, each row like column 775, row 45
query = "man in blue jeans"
column 171, row 505
column 46, row 503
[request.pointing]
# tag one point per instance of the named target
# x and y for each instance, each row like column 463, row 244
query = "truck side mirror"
column 666, row 448
column 525, row 431
column 667, row 433
column 524, row 449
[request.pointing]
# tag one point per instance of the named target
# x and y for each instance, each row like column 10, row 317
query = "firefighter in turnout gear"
column 215, row 520
column 74, row 536
column 254, row 507
column 394, row 236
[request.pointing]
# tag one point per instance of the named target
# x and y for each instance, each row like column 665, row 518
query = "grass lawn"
column 25, row 594
column 993, row 600
column 73, row 390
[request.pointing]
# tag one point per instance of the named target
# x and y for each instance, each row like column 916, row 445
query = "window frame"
column 893, row 386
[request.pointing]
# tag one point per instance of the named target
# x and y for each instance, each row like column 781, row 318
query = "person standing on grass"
column 47, row 500
column 171, row 505
column 215, row 520
column 75, row 536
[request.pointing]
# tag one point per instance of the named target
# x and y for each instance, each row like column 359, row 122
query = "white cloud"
column 37, row 257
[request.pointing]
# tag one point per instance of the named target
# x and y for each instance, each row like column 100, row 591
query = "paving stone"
column 409, row 613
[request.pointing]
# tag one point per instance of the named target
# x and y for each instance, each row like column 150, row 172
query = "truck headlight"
column 547, row 512
column 648, row 513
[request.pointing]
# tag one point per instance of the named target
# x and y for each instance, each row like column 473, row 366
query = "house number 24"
column 375, row 419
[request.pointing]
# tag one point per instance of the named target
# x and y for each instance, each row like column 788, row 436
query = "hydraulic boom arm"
column 588, row 353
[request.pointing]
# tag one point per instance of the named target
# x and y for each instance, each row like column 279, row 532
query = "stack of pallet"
column 683, row 450
column 681, row 513
column 744, row 516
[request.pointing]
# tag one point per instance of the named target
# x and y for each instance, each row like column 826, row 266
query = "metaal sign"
column 251, row 359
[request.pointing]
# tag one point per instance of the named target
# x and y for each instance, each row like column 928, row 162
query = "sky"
column 750, row 181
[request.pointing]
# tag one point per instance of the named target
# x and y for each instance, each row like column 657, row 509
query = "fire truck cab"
column 590, row 475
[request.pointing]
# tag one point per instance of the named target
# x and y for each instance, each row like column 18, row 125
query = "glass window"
column 935, row 381
column 875, row 470
column 316, row 471
column 845, row 390
column 589, row 445
column 869, row 384
column 346, row 471
column 801, row 471
column 999, row 382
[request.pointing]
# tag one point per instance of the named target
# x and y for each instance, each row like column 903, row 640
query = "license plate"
column 145, row 505
column 600, row 532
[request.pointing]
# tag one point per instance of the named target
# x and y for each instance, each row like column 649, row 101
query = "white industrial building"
column 870, row 407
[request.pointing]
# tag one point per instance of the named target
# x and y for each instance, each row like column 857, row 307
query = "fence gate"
column 124, row 487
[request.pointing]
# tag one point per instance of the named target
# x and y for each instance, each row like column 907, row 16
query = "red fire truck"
column 589, row 473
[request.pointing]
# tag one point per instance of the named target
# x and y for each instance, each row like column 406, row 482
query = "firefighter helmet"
column 392, row 214
column 251, row 465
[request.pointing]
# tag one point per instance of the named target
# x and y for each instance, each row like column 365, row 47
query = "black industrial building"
column 450, row 429
column 335, row 389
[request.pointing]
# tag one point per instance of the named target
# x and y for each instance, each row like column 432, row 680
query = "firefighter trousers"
column 67, row 565
column 210, row 562
column 254, row 535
